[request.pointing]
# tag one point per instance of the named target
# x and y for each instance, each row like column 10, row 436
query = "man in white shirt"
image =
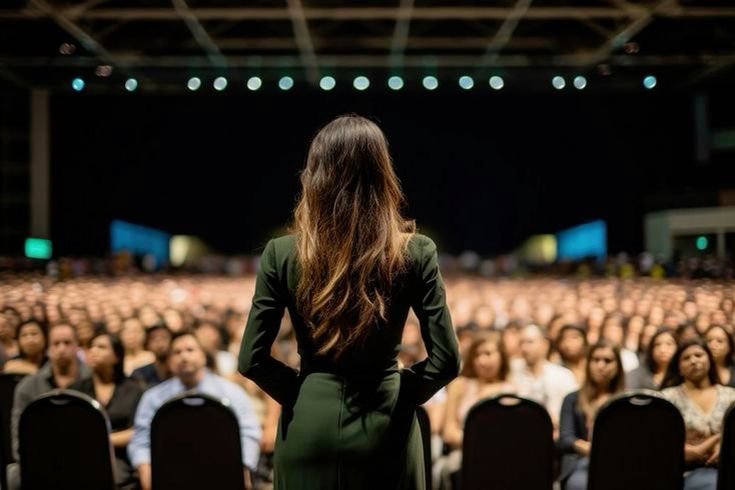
column 537, row 378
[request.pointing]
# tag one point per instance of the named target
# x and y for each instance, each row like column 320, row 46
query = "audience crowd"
column 569, row 343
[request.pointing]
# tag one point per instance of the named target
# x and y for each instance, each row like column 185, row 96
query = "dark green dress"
column 350, row 425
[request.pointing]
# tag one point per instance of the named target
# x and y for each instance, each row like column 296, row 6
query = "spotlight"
column 285, row 83
column 254, row 83
column 496, row 82
column 558, row 82
column 77, row 84
column 466, row 82
column 580, row 82
column 650, row 82
column 131, row 84
column 193, row 84
column 430, row 83
column 327, row 83
column 395, row 83
column 361, row 83
column 220, row 83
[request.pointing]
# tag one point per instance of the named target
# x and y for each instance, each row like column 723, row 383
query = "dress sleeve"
column 255, row 360
column 423, row 379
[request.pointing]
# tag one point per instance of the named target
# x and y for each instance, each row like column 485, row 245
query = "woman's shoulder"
column 727, row 393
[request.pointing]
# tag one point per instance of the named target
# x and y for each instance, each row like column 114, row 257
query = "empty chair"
column 8, row 383
column 637, row 443
column 508, row 444
column 726, row 471
column 195, row 444
column 64, row 443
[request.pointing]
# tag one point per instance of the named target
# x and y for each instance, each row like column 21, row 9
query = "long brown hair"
column 588, row 391
column 478, row 340
column 351, row 237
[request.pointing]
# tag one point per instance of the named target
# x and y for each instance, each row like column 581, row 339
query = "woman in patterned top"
column 693, row 386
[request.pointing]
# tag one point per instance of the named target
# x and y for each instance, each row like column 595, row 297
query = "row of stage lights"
column 363, row 83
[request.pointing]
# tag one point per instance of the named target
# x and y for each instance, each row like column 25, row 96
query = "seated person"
column 62, row 369
column 187, row 361
column 132, row 335
column 537, row 378
column 484, row 374
column 157, row 341
column 31, row 337
column 604, row 377
column 692, row 384
column 720, row 342
column 571, row 344
column 659, row 352
column 118, row 395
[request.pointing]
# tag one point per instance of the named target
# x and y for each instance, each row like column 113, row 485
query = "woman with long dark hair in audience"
column 652, row 370
column 9, row 319
column 693, row 385
column 32, row 342
column 132, row 336
column 604, row 377
column 722, row 345
column 484, row 374
column 348, row 275
column 118, row 394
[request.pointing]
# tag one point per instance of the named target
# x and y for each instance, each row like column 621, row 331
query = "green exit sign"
column 38, row 248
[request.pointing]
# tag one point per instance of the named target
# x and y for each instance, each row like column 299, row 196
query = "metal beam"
column 372, row 61
column 303, row 40
column 200, row 34
column 400, row 32
column 632, row 29
column 505, row 32
column 375, row 13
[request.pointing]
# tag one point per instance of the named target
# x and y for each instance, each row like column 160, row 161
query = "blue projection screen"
column 139, row 240
column 579, row 242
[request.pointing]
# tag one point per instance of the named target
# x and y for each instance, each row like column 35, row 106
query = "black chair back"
column 64, row 443
column 425, row 425
column 637, row 443
column 508, row 444
column 195, row 444
column 8, row 382
column 726, row 472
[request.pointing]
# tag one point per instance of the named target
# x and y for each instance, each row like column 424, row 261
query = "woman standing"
column 692, row 384
column 348, row 275
column 118, row 395
column 604, row 377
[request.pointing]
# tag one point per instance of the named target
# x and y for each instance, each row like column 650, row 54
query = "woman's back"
column 347, row 420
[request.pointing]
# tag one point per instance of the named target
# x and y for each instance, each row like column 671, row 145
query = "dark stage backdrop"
column 481, row 171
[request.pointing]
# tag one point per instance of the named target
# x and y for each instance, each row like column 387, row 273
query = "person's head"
column 187, row 358
column 7, row 329
column 571, row 343
column 721, row 344
column 209, row 337
column 511, row 338
column 661, row 349
column 485, row 358
column 351, row 237
column 62, row 346
column 534, row 344
column 105, row 353
column 604, row 368
column 604, row 374
column 686, row 331
column 613, row 330
column 32, row 339
column 158, row 341
column 692, row 362
column 132, row 334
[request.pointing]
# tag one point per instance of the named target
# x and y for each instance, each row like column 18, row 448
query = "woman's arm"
column 569, row 439
column 121, row 438
column 697, row 453
column 255, row 361
column 452, row 432
column 425, row 378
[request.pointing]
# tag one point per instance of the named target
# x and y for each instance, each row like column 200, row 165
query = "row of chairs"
column 64, row 444
column 638, row 444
